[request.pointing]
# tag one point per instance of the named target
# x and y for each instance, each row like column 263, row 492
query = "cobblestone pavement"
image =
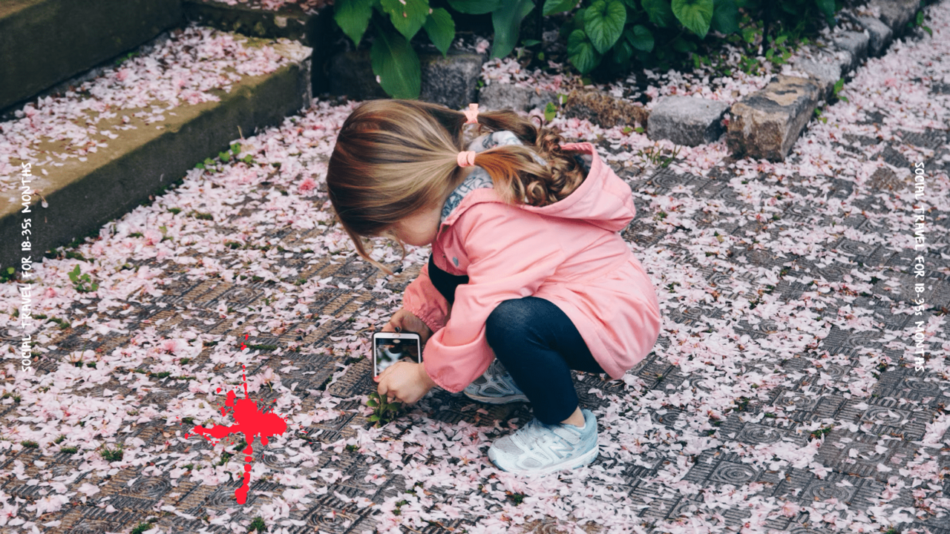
column 782, row 395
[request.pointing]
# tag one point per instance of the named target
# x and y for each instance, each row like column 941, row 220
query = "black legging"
column 538, row 345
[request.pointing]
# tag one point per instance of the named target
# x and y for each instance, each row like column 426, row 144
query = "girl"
column 527, row 266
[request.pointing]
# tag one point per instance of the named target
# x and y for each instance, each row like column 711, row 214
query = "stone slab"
column 823, row 74
column 687, row 120
column 312, row 29
column 855, row 43
column 879, row 34
column 510, row 96
column 43, row 42
column 450, row 81
column 767, row 123
column 81, row 196
column 896, row 13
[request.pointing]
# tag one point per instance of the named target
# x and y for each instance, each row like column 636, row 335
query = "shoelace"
column 536, row 433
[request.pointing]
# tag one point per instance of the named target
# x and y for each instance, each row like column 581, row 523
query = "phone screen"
column 390, row 351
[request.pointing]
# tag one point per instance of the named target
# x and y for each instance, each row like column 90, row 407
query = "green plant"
column 141, row 527
column 396, row 22
column 610, row 34
column 79, row 282
column 383, row 412
column 257, row 524
column 7, row 275
column 919, row 21
column 112, row 455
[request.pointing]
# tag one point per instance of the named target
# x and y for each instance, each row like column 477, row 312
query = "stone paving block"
column 43, row 42
column 510, row 96
column 687, row 120
column 896, row 13
column 855, row 43
column 825, row 75
column 767, row 123
column 449, row 81
column 879, row 34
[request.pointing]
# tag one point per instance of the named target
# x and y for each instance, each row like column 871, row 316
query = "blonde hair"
column 395, row 157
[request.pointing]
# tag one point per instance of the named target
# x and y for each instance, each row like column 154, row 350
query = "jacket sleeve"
column 459, row 353
column 423, row 300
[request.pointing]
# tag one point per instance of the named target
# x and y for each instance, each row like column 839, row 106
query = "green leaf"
column 530, row 42
column 507, row 23
column 827, row 8
column 724, row 16
column 475, row 7
column 441, row 29
column 373, row 417
column 372, row 403
column 640, row 38
column 581, row 52
column 396, row 64
column 556, row 6
column 408, row 16
column 682, row 45
column 621, row 52
column 352, row 16
column 660, row 13
column 603, row 23
column 550, row 111
column 696, row 15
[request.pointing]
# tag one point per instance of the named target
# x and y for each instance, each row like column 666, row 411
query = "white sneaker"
column 539, row 449
column 495, row 386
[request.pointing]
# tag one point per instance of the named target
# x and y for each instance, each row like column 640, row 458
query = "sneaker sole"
column 581, row 461
column 496, row 400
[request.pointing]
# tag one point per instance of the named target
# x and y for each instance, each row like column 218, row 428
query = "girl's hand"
column 406, row 321
column 404, row 381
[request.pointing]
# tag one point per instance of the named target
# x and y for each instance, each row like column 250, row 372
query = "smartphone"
column 390, row 347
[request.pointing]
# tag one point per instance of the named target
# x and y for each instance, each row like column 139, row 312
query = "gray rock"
column 855, row 43
column 449, row 81
column 896, row 13
column 508, row 96
column 686, row 120
column 767, row 123
column 828, row 54
column 879, row 33
column 823, row 74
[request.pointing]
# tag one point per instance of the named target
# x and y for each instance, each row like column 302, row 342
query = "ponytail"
column 516, row 170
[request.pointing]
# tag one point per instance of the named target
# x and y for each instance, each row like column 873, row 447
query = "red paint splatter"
column 251, row 422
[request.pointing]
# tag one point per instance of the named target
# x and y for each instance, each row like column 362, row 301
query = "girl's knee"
column 510, row 319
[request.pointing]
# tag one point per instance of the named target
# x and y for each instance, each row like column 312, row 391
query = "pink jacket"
column 569, row 253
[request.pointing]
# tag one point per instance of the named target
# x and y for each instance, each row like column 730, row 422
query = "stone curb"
column 66, row 38
column 82, row 196
column 767, row 123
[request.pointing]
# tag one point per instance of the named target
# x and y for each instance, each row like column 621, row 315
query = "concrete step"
column 310, row 23
column 43, row 42
column 100, row 150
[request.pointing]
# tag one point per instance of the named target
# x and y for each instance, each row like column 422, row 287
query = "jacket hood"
column 602, row 199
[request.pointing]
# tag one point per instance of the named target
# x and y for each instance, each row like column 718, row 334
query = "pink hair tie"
column 466, row 158
column 471, row 114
